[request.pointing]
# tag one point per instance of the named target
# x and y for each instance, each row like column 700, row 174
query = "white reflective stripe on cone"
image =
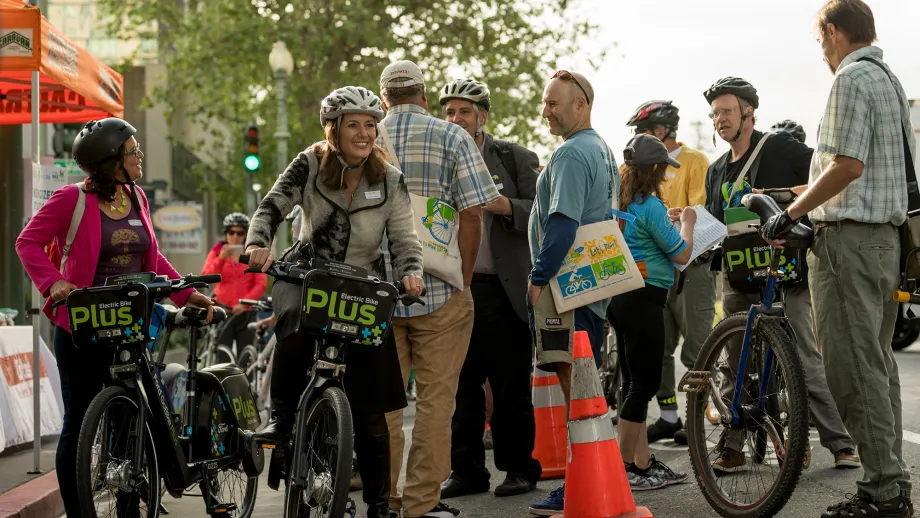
column 550, row 396
column 586, row 383
column 596, row 429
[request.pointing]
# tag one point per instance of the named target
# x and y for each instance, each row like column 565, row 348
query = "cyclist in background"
column 792, row 127
column 637, row 316
column 223, row 259
column 351, row 197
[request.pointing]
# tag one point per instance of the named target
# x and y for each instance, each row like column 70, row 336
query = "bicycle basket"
column 108, row 316
column 356, row 310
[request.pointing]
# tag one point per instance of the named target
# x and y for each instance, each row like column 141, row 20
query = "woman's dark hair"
column 640, row 180
column 106, row 177
column 330, row 169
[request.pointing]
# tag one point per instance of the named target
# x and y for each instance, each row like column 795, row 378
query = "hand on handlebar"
column 413, row 285
column 202, row 301
column 777, row 225
column 260, row 258
column 60, row 290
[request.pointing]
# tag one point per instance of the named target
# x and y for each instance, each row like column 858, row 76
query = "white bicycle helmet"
column 350, row 99
column 468, row 89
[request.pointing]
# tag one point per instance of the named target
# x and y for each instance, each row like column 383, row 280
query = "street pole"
column 281, row 138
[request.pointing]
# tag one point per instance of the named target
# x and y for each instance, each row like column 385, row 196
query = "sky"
column 675, row 49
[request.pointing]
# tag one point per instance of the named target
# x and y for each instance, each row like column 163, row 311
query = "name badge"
column 623, row 215
column 372, row 195
column 135, row 222
column 499, row 186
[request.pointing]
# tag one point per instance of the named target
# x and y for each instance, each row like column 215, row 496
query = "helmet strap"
column 740, row 129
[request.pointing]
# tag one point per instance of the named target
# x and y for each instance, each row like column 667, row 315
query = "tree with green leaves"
column 219, row 79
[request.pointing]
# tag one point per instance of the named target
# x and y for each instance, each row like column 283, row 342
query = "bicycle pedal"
column 694, row 381
column 221, row 509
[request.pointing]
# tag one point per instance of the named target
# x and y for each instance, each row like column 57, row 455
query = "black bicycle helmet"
column 236, row 219
column 655, row 113
column 791, row 126
column 99, row 140
column 733, row 85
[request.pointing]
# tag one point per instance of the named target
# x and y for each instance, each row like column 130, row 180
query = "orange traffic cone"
column 596, row 483
column 549, row 414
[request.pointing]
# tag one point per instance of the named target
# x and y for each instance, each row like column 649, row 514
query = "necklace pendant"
column 121, row 210
column 112, row 207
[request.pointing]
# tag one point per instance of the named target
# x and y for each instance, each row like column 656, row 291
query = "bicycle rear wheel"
column 774, row 441
column 320, row 464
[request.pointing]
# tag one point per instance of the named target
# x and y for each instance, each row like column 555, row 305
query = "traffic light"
column 251, row 155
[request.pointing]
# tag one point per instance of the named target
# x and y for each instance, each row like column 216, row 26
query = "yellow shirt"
column 685, row 187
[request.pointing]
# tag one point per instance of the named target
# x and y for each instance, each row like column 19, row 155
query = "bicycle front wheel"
column 750, row 470
column 320, row 464
column 105, row 454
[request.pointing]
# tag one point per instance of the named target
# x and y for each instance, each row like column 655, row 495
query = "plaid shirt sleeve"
column 472, row 183
column 846, row 129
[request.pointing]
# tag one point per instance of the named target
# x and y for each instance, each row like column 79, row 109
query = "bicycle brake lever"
column 409, row 300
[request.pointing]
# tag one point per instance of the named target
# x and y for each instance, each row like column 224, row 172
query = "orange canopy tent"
column 74, row 86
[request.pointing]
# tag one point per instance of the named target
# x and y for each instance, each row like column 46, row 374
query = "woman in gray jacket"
column 350, row 198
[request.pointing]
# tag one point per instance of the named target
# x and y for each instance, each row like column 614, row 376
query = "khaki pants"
column 688, row 314
column 853, row 273
column 436, row 345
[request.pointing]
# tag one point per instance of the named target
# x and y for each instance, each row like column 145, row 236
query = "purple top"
column 124, row 245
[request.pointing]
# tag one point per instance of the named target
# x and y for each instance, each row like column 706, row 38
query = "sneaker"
column 846, row 459
column 910, row 505
column 731, row 461
column 662, row 429
column 665, row 473
column 680, row 437
column 642, row 479
column 411, row 393
column 858, row 505
column 553, row 504
column 442, row 510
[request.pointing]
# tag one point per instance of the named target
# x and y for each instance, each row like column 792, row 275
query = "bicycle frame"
column 179, row 473
column 766, row 307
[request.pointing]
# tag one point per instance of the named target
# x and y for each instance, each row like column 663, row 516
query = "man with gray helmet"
column 500, row 348
column 440, row 162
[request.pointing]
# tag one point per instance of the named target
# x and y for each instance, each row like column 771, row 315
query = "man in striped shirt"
column 439, row 160
column 857, row 197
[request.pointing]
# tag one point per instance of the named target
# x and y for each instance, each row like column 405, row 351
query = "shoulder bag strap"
column 75, row 219
column 910, row 173
column 391, row 151
column 747, row 166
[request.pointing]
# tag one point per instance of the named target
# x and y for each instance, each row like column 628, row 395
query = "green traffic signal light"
column 251, row 162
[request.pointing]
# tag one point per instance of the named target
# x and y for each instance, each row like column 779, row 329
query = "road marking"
column 913, row 437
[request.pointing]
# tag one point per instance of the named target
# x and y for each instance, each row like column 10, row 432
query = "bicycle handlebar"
column 295, row 273
column 163, row 286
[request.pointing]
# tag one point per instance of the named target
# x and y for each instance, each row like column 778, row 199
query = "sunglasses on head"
column 565, row 75
column 236, row 232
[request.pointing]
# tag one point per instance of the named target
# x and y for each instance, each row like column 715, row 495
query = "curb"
column 37, row 498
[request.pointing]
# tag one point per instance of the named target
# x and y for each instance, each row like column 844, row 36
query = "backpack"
column 59, row 256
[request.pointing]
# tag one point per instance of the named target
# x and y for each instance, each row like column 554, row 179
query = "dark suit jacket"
column 508, row 237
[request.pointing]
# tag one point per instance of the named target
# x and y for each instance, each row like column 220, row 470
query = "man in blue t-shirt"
column 573, row 190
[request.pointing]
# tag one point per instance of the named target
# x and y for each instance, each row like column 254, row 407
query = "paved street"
column 819, row 486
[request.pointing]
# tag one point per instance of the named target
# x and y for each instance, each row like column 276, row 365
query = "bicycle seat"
column 171, row 313
column 799, row 236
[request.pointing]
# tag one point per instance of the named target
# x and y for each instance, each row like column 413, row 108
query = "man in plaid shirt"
column 857, row 197
column 439, row 160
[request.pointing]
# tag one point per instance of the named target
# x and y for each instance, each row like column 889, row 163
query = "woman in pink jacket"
column 115, row 236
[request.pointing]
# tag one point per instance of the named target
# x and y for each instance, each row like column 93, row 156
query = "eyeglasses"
column 565, row 75
column 134, row 152
column 236, row 232
column 727, row 112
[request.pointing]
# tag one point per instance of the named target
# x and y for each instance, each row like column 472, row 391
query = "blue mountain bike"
column 748, row 464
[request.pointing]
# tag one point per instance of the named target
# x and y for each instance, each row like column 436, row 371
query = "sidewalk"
column 26, row 496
